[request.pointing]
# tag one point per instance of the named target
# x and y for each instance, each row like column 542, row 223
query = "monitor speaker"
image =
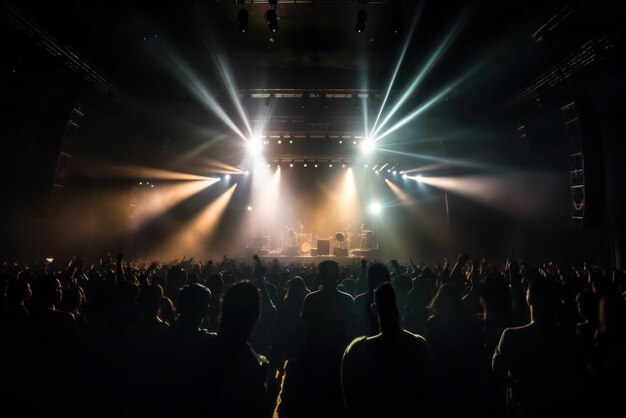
column 323, row 247
column 340, row 252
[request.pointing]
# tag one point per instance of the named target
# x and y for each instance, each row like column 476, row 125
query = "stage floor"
column 354, row 256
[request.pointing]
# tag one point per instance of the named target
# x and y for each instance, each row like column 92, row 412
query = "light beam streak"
column 427, row 105
column 397, row 68
column 430, row 64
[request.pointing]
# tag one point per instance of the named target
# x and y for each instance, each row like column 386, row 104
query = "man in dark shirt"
column 544, row 364
column 388, row 374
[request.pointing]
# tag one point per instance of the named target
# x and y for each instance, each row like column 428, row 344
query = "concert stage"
column 354, row 256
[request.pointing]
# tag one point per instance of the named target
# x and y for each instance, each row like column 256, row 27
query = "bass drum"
column 305, row 247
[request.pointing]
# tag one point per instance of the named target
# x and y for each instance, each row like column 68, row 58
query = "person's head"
column 74, row 299
column 495, row 294
column 386, row 308
column 587, row 303
column 215, row 283
column 296, row 290
column 18, row 291
column 149, row 300
column 240, row 311
column 193, row 304
column 542, row 296
column 377, row 274
column 329, row 273
column 47, row 291
column 176, row 277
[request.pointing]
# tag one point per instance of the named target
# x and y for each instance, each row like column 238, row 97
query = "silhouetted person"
column 416, row 311
column 543, row 363
column 312, row 386
column 288, row 335
column 238, row 388
column 215, row 283
column 455, row 337
column 389, row 374
column 188, row 357
column 54, row 333
column 366, row 321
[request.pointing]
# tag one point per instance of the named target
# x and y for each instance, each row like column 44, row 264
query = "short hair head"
column 241, row 309
column 329, row 272
column 193, row 302
column 377, row 274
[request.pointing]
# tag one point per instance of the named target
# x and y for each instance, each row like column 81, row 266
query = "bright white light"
column 418, row 178
column 290, row 165
column 330, row 165
column 367, row 146
column 305, row 165
column 227, row 177
column 343, row 165
column 246, row 172
column 315, row 165
column 249, row 208
column 365, row 166
column 395, row 172
column 404, row 176
column 255, row 146
column 280, row 142
column 375, row 208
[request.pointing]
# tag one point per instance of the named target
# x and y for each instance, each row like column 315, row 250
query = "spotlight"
column 242, row 20
column 269, row 165
column 330, row 165
column 291, row 165
column 249, row 208
column 315, row 165
column 272, row 20
column 305, row 164
column 254, row 146
column 227, row 177
column 140, row 183
column 343, row 165
column 246, row 172
column 389, row 170
column 404, row 176
column 419, row 178
column 354, row 142
column 291, row 141
column 395, row 172
column 361, row 21
column 280, row 142
column 367, row 146
column 340, row 141
column 375, row 208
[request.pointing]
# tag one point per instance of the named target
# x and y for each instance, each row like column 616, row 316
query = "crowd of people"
column 367, row 339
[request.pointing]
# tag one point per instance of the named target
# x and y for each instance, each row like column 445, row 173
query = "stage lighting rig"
column 271, row 18
column 361, row 21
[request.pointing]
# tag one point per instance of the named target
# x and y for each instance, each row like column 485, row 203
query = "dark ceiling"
column 317, row 49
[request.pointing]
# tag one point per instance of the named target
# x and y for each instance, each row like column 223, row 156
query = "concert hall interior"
column 195, row 130
column 319, row 208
